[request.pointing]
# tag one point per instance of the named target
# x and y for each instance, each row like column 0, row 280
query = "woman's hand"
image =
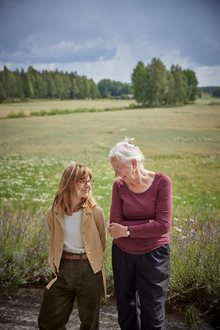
column 116, row 230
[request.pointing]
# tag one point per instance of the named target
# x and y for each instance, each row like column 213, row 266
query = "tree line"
column 32, row 84
column 154, row 85
column 151, row 85
column 210, row 91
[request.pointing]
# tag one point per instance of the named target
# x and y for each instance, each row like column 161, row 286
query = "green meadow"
column 183, row 142
column 37, row 106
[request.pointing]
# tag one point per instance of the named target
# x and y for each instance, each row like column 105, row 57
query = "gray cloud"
column 85, row 32
column 33, row 50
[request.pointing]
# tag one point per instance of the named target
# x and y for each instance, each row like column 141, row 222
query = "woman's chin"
column 125, row 179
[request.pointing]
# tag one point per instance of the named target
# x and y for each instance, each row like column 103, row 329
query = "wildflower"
column 178, row 229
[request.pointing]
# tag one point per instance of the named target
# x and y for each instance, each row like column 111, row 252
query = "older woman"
column 76, row 245
column 140, row 220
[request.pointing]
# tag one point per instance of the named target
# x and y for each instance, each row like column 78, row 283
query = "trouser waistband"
column 74, row 256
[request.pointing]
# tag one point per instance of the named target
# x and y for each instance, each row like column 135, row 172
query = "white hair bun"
column 129, row 140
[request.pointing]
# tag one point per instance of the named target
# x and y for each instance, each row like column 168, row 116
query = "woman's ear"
column 134, row 164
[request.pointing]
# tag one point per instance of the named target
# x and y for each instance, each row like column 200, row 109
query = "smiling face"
column 75, row 189
column 83, row 187
column 122, row 170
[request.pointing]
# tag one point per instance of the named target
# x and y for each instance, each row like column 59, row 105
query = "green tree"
column 2, row 91
column 66, row 86
column 74, row 87
column 104, row 87
column 192, row 85
column 139, row 83
column 48, row 77
column 170, row 96
column 2, row 88
column 9, row 82
column 180, row 85
column 86, row 88
column 19, row 83
column 59, row 84
column 112, row 88
column 80, row 86
column 94, row 91
column 156, row 83
column 27, row 82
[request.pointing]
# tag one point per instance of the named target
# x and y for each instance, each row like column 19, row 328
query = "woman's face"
column 122, row 170
column 83, row 187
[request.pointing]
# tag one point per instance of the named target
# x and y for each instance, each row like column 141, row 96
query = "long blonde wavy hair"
column 67, row 188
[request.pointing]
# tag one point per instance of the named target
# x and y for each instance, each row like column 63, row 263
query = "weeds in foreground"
column 23, row 249
column 195, row 260
column 28, row 186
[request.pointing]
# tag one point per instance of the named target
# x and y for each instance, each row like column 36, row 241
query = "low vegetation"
column 182, row 142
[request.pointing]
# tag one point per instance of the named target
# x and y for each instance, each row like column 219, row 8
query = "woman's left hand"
column 116, row 230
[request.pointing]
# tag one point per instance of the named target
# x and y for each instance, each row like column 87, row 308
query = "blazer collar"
column 58, row 210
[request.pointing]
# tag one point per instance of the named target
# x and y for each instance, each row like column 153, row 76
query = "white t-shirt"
column 72, row 233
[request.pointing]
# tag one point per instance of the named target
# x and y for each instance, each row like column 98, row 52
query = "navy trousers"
column 141, row 284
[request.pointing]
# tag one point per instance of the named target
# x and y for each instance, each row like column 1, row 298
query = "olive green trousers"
column 76, row 281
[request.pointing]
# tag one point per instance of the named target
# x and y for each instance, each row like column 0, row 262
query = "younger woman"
column 77, row 240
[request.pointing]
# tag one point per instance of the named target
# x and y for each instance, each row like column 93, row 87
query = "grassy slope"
column 192, row 129
column 47, row 105
column 183, row 142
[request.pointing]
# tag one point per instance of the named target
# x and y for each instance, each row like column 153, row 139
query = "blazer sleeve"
column 100, row 224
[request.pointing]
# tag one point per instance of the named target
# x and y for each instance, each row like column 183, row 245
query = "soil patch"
column 19, row 311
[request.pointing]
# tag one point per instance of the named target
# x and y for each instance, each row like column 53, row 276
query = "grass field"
column 49, row 105
column 182, row 142
column 193, row 129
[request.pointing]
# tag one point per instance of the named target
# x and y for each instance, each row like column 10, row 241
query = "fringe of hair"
column 67, row 188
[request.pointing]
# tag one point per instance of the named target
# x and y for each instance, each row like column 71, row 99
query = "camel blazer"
column 93, row 230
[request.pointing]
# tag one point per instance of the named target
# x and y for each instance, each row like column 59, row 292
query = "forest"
column 152, row 85
column 32, row 84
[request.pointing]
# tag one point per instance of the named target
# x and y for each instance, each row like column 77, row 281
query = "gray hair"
column 126, row 151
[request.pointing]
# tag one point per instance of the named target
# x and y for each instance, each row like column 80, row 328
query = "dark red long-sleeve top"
column 137, row 210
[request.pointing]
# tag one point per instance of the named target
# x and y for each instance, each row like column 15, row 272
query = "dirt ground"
column 19, row 311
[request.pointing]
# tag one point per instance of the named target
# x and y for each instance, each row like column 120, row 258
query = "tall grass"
column 195, row 260
column 23, row 249
column 28, row 189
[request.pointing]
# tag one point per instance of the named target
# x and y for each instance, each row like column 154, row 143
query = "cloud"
column 120, row 64
column 106, row 39
column 119, row 67
column 35, row 51
column 208, row 75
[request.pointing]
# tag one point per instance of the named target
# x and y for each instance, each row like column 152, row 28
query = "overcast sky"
column 104, row 39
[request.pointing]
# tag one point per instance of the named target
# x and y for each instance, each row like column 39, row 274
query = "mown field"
column 28, row 108
column 182, row 142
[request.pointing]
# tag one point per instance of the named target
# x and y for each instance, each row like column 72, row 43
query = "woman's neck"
column 76, row 205
column 141, row 180
column 76, row 209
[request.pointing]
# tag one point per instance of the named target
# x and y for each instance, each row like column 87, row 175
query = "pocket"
column 161, row 255
column 164, row 251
